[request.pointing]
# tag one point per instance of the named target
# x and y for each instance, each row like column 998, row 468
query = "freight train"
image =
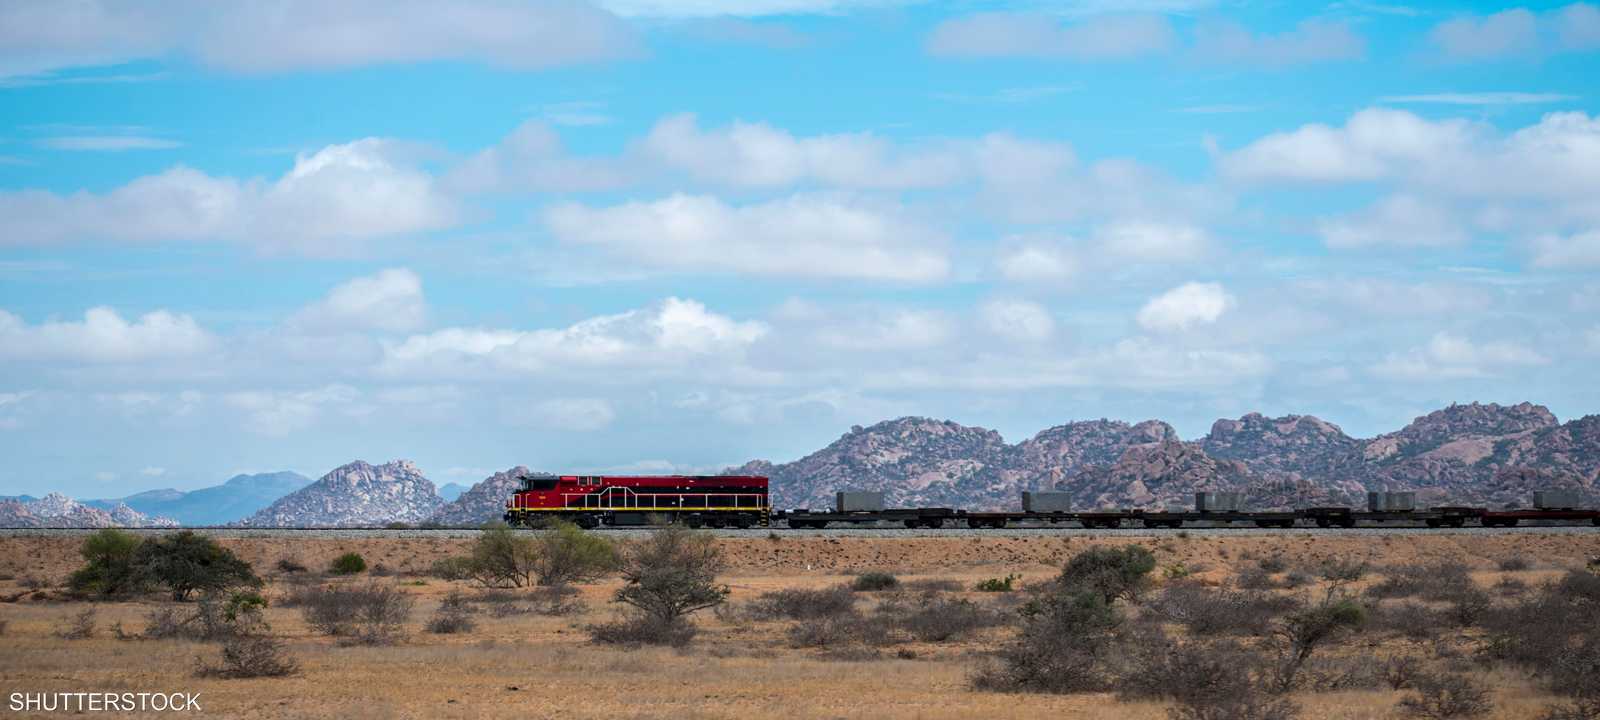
column 742, row 501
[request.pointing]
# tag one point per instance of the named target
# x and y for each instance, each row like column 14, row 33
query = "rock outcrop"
column 356, row 494
column 482, row 502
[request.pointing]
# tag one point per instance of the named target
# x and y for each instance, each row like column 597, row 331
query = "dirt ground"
column 536, row 666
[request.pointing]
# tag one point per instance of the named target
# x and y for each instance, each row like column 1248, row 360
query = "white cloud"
column 1578, row 26
column 327, row 204
column 877, row 329
column 758, row 155
column 1559, row 157
column 1157, row 242
column 1113, row 37
column 108, row 143
column 735, row 8
column 1480, row 98
column 1508, row 32
column 675, row 334
column 38, row 36
column 1372, row 144
column 1018, row 320
column 153, row 471
column 104, row 337
column 532, row 159
column 576, row 414
column 802, row 235
column 390, row 300
column 279, row 413
column 1036, row 260
column 1185, row 306
column 1572, row 252
column 1451, row 356
column 1310, row 41
column 1390, row 299
column 1398, row 220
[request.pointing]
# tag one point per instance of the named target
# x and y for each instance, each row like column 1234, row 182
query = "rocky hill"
column 482, row 502
column 353, row 495
column 1482, row 454
column 239, row 497
column 59, row 511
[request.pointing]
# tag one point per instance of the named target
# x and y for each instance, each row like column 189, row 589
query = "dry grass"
column 537, row 665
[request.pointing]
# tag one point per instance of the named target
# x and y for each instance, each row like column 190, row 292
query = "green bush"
column 998, row 584
column 502, row 558
column 451, row 568
column 565, row 553
column 109, row 568
column 1111, row 573
column 666, row 577
column 185, row 563
column 874, row 581
column 349, row 563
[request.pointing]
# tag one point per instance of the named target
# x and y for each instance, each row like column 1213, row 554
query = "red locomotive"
column 591, row 500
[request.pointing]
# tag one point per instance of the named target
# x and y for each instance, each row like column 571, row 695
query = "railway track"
column 885, row 531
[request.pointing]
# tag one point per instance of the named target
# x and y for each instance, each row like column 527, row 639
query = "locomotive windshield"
column 538, row 483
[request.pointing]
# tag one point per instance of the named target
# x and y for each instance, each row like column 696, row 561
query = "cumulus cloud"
column 574, row 414
column 802, row 235
column 532, row 158
column 38, row 36
column 1151, row 241
column 1185, row 306
column 1389, row 298
column 104, row 337
column 278, row 413
column 390, row 301
column 1451, row 356
column 1507, row 32
column 1570, row 252
column 327, row 204
column 1399, row 221
column 878, row 329
column 1311, row 41
column 1518, row 32
column 1109, row 37
column 758, row 155
column 1036, row 260
column 1557, row 157
column 1018, row 320
column 673, row 334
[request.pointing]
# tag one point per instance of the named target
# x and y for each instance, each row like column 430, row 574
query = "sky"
column 676, row 235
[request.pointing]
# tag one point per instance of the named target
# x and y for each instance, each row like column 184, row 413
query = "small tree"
column 185, row 563
column 1110, row 573
column 109, row 568
column 1300, row 634
column 502, row 558
column 565, row 553
column 672, row 574
column 1060, row 647
column 349, row 563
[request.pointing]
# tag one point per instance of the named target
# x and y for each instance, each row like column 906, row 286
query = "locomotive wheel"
column 1323, row 522
column 743, row 523
column 694, row 521
column 1432, row 523
column 913, row 524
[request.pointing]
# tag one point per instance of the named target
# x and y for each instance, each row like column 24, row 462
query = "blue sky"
column 674, row 236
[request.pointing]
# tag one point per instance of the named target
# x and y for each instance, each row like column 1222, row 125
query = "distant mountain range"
column 1486, row 455
column 241, row 496
column 57, row 510
column 1490, row 455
